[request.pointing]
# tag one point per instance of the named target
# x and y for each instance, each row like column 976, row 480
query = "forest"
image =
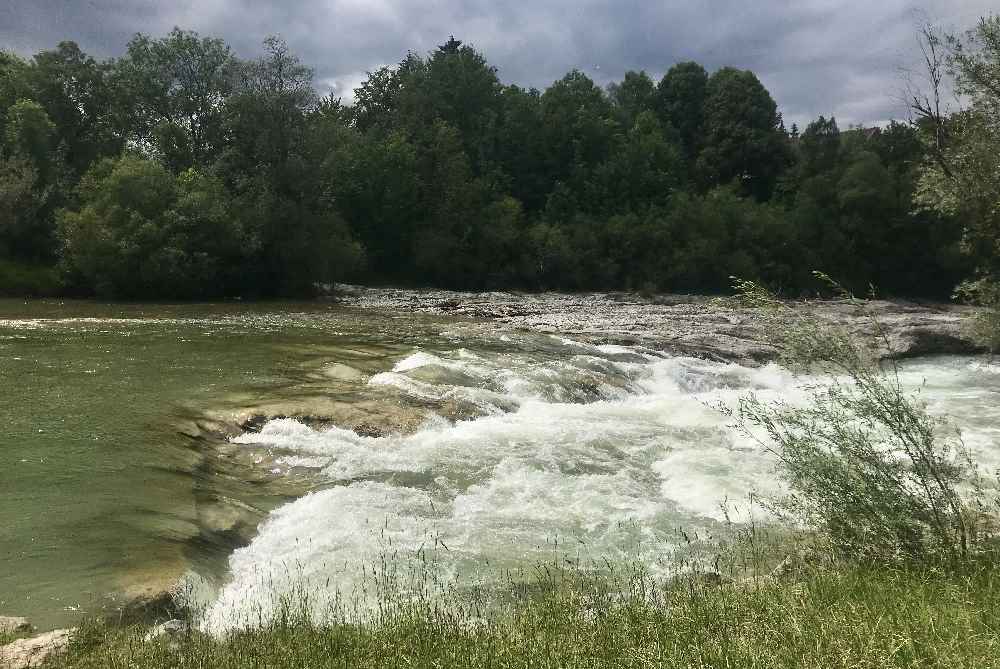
column 181, row 171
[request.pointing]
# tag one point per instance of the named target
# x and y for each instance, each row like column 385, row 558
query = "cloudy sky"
column 839, row 57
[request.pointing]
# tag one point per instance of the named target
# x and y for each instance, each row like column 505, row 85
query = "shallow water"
column 99, row 491
column 523, row 444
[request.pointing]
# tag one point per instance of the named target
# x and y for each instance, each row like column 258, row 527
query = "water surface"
column 509, row 443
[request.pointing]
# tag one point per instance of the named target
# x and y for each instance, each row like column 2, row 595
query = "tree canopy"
column 181, row 169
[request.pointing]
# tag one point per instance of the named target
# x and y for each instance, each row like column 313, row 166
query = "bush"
column 142, row 232
column 863, row 460
column 985, row 325
column 22, row 280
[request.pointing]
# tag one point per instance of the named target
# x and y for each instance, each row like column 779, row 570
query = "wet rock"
column 14, row 625
column 227, row 517
column 254, row 423
column 679, row 324
column 932, row 339
column 36, row 651
column 341, row 372
column 143, row 607
column 368, row 430
column 171, row 629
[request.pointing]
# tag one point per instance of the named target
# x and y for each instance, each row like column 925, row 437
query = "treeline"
column 180, row 170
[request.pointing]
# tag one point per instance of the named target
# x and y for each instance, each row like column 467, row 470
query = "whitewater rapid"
column 603, row 451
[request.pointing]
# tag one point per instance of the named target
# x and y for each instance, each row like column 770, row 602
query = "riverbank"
column 826, row 618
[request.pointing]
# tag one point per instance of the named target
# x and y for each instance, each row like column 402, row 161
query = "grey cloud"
column 816, row 56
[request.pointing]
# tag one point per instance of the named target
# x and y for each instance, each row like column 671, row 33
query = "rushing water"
column 514, row 443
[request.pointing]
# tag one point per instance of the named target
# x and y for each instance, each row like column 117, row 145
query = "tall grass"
column 845, row 617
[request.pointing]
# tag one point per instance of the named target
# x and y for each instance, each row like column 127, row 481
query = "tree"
column 375, row 100
column 819, row 147
column 14, row 83
column 465, row 237
column 577, row 125
column 30, row 133
column 681, row 96
column 455, row 85
column 29, row 172
column 644, row 169
column 744, row 141
column 175, row 87
column 964, row 180
column 633, row 96
column 376, row 183
column 296, row 238
column 19, row 234
column 521, row 153
column 79, row 98
column 142, row 232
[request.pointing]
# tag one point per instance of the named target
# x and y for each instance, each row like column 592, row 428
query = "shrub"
column 22, row 280
column 985, row 325
column 863, row 460
column 142, row 232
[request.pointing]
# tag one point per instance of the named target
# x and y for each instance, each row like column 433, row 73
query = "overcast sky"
column 838, row 57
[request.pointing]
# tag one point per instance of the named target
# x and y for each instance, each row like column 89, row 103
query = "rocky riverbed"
column 682, row 324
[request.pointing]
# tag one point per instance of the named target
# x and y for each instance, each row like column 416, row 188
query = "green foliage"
column 846, row 618
column 18, row 207
column 635, row 95
column 820, row 147
column 440, row 174
column 296, row 238
column 962, row 181
column 179, row 82
column 143, row 232
column 985, row 325
column 864, row 461
column 680, row 103
column 22, row 280
column 29, row 132
column 744, row 140
column 78, row 94
column 14, row 84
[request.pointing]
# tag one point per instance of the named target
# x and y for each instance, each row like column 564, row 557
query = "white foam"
column 642, row 447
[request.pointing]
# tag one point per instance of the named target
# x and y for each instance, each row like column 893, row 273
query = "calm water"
column 515, row 441
column 97, row 486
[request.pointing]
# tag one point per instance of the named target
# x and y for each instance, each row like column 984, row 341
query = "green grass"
column 846, row 617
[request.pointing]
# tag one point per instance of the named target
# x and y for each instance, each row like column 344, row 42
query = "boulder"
column 36, row 651
column 368, row 430
column 149, row 604
column 341, row 372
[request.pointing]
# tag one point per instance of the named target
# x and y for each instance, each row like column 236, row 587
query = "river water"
column 492, row 448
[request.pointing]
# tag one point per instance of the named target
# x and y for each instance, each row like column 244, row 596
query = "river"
column 144, row 444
